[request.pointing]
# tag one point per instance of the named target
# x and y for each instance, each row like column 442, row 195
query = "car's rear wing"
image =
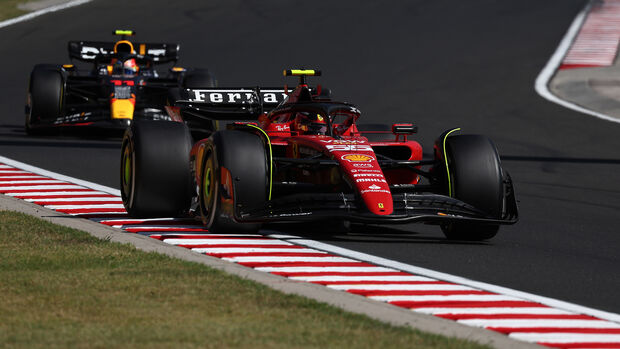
column 88, row 51
column 235, row 103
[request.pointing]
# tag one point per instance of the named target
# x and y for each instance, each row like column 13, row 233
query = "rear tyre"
column 45, row 96
column 155, row 169
column 234, row 176
column 475, row 178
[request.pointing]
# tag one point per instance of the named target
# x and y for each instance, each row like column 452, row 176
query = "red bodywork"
column 355, row 154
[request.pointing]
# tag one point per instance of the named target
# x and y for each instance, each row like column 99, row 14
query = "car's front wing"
column 408, row 207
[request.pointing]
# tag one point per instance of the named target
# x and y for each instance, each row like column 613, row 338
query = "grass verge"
column 8, row 9
column 63, row 288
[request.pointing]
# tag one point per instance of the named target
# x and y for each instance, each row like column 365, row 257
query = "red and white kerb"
column 518, row 318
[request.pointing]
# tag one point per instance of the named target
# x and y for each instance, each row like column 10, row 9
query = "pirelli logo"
column 235, row 96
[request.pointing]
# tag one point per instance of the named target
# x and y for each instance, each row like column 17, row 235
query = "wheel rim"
column 208, row 187
column 207, row 183
column 127, row 173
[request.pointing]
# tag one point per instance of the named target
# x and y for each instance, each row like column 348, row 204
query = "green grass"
column 8, row 9
column 62, row 288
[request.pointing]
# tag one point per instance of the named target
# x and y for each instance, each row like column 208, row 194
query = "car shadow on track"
column 18, row 134
column 61, row 143
column 560, row 160
column 367, row 234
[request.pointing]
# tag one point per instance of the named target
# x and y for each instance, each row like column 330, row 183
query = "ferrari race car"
column 121, row 84
column 305, row 158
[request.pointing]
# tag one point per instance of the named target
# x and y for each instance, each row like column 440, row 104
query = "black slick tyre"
column 475, row 177
column 155, row 169
column 45, row 97
column 234, row 177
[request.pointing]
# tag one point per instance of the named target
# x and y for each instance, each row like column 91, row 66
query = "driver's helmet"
column 308, row 123
column 130, row 67
column 122, row 63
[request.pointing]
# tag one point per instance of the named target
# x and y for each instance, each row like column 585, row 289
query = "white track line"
column 58, row 176
column 402, row 287
column 74, row 207
column 493, row 310
column 240, row 251
column 335, row 278
column 448, row 298
column 35, row 195
column 542, row 81
column 270, row 259
column 38, row 13
column 214, row 242
column 524, row 323
column 566, row 338
column 323, row 269
column 81, row 198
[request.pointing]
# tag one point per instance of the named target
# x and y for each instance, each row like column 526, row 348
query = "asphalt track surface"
column 439, row 64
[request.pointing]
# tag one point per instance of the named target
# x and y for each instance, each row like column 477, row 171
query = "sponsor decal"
column 376, row 180
column 348, row 147
column 79, row 117
column 122, row 92
column 293, row 214
column 340, row 141
column 357, row 158
column 362, row 164
column 375, row 191
column 367, row 175
column 237, row 96
column 282, row 127
column 89, row 52
column 364, row 170
column 156, row 51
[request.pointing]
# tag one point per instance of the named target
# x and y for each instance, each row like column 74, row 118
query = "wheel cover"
column 127, row 173
column 207, row 183
column 208, row 187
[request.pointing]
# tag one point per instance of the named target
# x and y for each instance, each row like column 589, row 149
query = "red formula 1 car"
column 305, row 158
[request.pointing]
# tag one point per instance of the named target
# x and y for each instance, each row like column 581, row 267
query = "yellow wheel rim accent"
column 450, row 189
column 127, row 167
column 207, row 184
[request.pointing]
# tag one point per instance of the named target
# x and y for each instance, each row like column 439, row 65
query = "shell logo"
column 357, row 158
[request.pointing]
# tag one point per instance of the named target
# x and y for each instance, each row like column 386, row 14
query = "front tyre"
column 155, row 169
column 45, row 97
column 475, row 177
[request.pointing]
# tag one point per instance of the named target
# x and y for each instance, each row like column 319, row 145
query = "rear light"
column 403, row 130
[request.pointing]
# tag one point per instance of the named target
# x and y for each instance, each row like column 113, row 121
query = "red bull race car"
column 120, row 82
column 304, row 158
